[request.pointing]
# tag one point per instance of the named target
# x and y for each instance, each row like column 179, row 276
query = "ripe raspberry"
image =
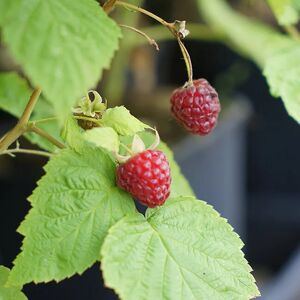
column 147, row 177
column 196, row 107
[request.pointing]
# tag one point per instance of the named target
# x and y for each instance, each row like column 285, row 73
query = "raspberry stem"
column 149, row 39
column 172, row 28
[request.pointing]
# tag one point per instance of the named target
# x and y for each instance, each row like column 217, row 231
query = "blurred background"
column 247, row 169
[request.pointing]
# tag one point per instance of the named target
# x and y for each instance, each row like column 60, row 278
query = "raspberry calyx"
column 145, row 175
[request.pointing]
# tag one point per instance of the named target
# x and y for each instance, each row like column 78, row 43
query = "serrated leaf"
column 104, row 137
column 179, row 185
column 183, row 250
column 9, row 293
column 120, row 119
column 282, row 73
column 14, row 95
column 73, row 207
column 285, row 11
column 63, row 46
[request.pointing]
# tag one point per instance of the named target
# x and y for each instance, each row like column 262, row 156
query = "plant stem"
column 46, row 135
column 173, row 30
column 187, row 60
column 43, row 120
column 98, row 122
column 108, row 6
column 149, row 39
column 197, row 32
column 27, row 151
column 21, row 126
column 170, row 26
column 293, row 32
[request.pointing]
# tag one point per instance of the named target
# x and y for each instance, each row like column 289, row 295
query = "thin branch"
column 149, row 39
column 21, row 126
column 187, row 59
column 108, row 6
column 30, row 106
column 170, row 26
column 11, row 152
column 197, row 32
column 293, row 32
column 98, row 122
column 43, row 120
column 47, row 136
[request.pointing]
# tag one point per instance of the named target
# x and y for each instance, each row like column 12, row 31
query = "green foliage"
column 243, row 34
column 104, row 137
column 73, row 207
column 285, row 11
column 9, row 293
column 14, row 95
column 183, row 250
column 282, row 73
column 278, row 57
column 120, row 119
column 63, row 45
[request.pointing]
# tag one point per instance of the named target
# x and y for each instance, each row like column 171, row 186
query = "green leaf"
column 282, row 73
column 14, row 95
column 120, row 119
column 62, row 45
column 242, row 33
column 9, row 293
column 72, row 134
column 179, row 185
column 76, row 137
column 104, row 137
column 73, row 207
column 285, row 11
column 183, row 250
column 279, row 56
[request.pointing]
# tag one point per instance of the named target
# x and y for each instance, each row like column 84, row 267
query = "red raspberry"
column 147, row 177
column 196, row 106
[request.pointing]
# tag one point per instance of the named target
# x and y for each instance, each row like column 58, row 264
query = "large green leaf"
column 282, row 73
column 183, row 250
column 14, row 95
column 62, row 45
column 73, row 207
column 9, row 293
column 285, row 11
column 249, row 36
column 275, row 53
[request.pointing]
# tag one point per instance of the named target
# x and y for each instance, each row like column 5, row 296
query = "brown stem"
column 149, row 39
column 293, row 32
column 171, row 27
column 108, row 6
column 46, row 135
column 21, row 126
column 27, row 151
column 187, row 60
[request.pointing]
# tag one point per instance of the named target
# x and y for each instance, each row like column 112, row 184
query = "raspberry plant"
column 79, row 215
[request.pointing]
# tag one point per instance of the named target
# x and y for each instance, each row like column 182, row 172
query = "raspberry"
column 196, row 106
column 147, row 177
